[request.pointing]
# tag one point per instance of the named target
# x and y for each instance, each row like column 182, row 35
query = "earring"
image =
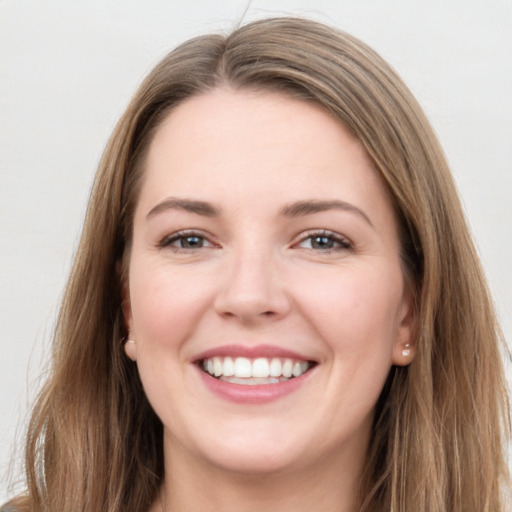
column 407, row 351
column 130, row 349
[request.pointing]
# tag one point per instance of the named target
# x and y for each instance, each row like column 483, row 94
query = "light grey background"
column 68, row 69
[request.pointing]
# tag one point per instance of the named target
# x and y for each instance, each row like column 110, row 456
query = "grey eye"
column 186, row 241
column 190, row 242
column 325, row 241
column 322, row 242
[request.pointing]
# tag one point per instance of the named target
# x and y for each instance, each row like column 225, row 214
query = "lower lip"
column 252, row 394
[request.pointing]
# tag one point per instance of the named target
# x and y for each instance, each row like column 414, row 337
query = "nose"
column 252, row 290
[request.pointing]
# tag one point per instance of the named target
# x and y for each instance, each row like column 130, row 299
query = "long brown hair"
column 94, row 442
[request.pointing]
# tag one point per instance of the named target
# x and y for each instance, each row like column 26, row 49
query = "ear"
column 405, row 347
column 130, row 345
column 122, row 278
column 126, row 307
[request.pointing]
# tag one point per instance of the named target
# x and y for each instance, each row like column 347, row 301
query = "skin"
column 257, row 276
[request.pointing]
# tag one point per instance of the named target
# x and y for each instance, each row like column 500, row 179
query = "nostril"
column 250, row 302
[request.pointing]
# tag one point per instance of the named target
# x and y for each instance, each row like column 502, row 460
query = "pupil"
column 322, row 242
column 191, row 242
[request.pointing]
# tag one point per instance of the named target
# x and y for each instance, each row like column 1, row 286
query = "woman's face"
column 266, row 296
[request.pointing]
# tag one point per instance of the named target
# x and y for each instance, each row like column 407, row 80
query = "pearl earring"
column 407, row 351
column 130, row 349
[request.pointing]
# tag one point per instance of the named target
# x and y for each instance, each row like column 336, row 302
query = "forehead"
column 253, row 145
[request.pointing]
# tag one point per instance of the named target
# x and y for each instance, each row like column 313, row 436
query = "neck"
column 329, row 485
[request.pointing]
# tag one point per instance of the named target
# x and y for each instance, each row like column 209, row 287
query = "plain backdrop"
column 68, row 69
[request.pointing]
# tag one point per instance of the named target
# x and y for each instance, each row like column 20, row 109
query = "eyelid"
column 343, row 241
column 167, row 240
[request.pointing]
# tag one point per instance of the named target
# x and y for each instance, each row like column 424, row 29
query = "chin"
column 247, row 449
column 255, row 461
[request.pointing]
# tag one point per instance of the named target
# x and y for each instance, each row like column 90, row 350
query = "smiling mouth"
column 257, row 371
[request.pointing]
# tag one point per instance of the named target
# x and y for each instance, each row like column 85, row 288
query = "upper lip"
column 251, row 352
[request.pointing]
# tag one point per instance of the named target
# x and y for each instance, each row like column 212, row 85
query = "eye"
column 186, row 241
column 324, row 241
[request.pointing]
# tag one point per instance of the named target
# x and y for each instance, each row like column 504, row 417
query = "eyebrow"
column 301, row 208
column 189, row 205
column 297, row 209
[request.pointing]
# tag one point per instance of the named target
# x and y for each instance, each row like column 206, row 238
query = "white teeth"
column 287, row 368
column 295, row 371
column 243, row 367
column 217, row 366
column 260, row 368
column 254, row 371
column 252, row 381
column 276, row 368
column 229, row 367
column 299, row 368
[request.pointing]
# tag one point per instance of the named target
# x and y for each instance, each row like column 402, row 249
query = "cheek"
column 165, row 304
column 356, row 311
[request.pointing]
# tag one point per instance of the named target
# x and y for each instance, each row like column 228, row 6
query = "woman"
column 275, row 302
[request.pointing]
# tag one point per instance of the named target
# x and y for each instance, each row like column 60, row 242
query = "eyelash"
column 340, row 242
column 182, row 235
